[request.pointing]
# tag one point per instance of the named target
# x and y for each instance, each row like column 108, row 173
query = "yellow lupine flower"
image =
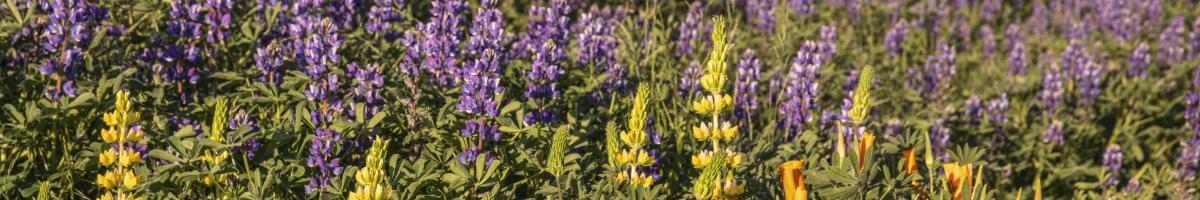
column 713, row 82
column 112, row 119
column 130, row 180
column 108, row 157
column 110, row 135
column 643, row 158
column 634, row 139
column 702, row 159
column 728, row 189
column 104, row 181
column 640, row 179
column 701, row 133
column 128, row 157
column 733, row 159
column 958, row 178
column 725, row 132
column 133, row 135
column 792, row 175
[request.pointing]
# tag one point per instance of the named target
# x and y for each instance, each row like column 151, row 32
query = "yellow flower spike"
column 130, row 180
column 108, row 157
column 701, row 159
column 864, row 144
column 621, row 177
column 792, row 175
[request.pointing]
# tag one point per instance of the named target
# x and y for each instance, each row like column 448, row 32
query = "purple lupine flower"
column 481, row 78
column 269, row 59
column 1195, row 38
column 1189, row 155
column 546, row 24
column 1073, row 59
column 367, row 84
column 442, row 36
column 1112, row 163
column 542, row 81
column 382, row 15
column 801, row 7
column 1017, row 60
column 342, row 12
column 689, row 84
column 997, row 110
column 761, row 13
column 690, row 29
column 938, row 71
column 247, row 147
column 410, row 65
column 219, row 20
column 1133, row 186
column 1053, row 133
column 1089, row 83
column 973, row 110
column 828, row 44
column 939, row 137
column 1170, row 42
column 1052, row 89
column 894, row 39
column 1189, row 159
column 323, row 156
column 597, row 42
column 850, row 84
column 1038, row 17
column 989, row 9
column 64, row 38
column 801, row 89
column 988, row 40
column 745, row 87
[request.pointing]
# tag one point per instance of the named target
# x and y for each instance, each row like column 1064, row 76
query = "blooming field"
column 565, row 99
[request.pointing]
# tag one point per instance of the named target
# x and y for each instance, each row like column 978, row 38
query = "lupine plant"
column 568, row 99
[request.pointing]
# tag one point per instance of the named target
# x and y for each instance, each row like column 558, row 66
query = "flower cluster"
column 249, row 146
column 893, row 41
column 1171, row 46
column 717, row 159
column 1189, row 155
column 637, row 158
column 801, row 89
column 1139, row 60
column 1112, row 163
column 690, row 30
column 66, row 36
column 997, row 109
column 442, row 35
column 597, row 44
column 481, row 79
column 1052, row 89
column 123, row 135
column 382, row 15
column 1018, row 58
column 549, row 24
column 689, row 83
column 542, row 82
column 371, row 179
column 939, row 138
column 761, row 13
column 367, row 84
column 801, row 7
column 1053, row 133
column 745, row 87
column 316, row 47
column 938, row 71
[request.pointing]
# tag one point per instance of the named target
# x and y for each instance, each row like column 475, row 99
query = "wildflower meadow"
column 600, row 99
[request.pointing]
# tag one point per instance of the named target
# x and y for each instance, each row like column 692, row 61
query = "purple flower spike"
column 1112, row 163
column 801, row 89
column 746, row 85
